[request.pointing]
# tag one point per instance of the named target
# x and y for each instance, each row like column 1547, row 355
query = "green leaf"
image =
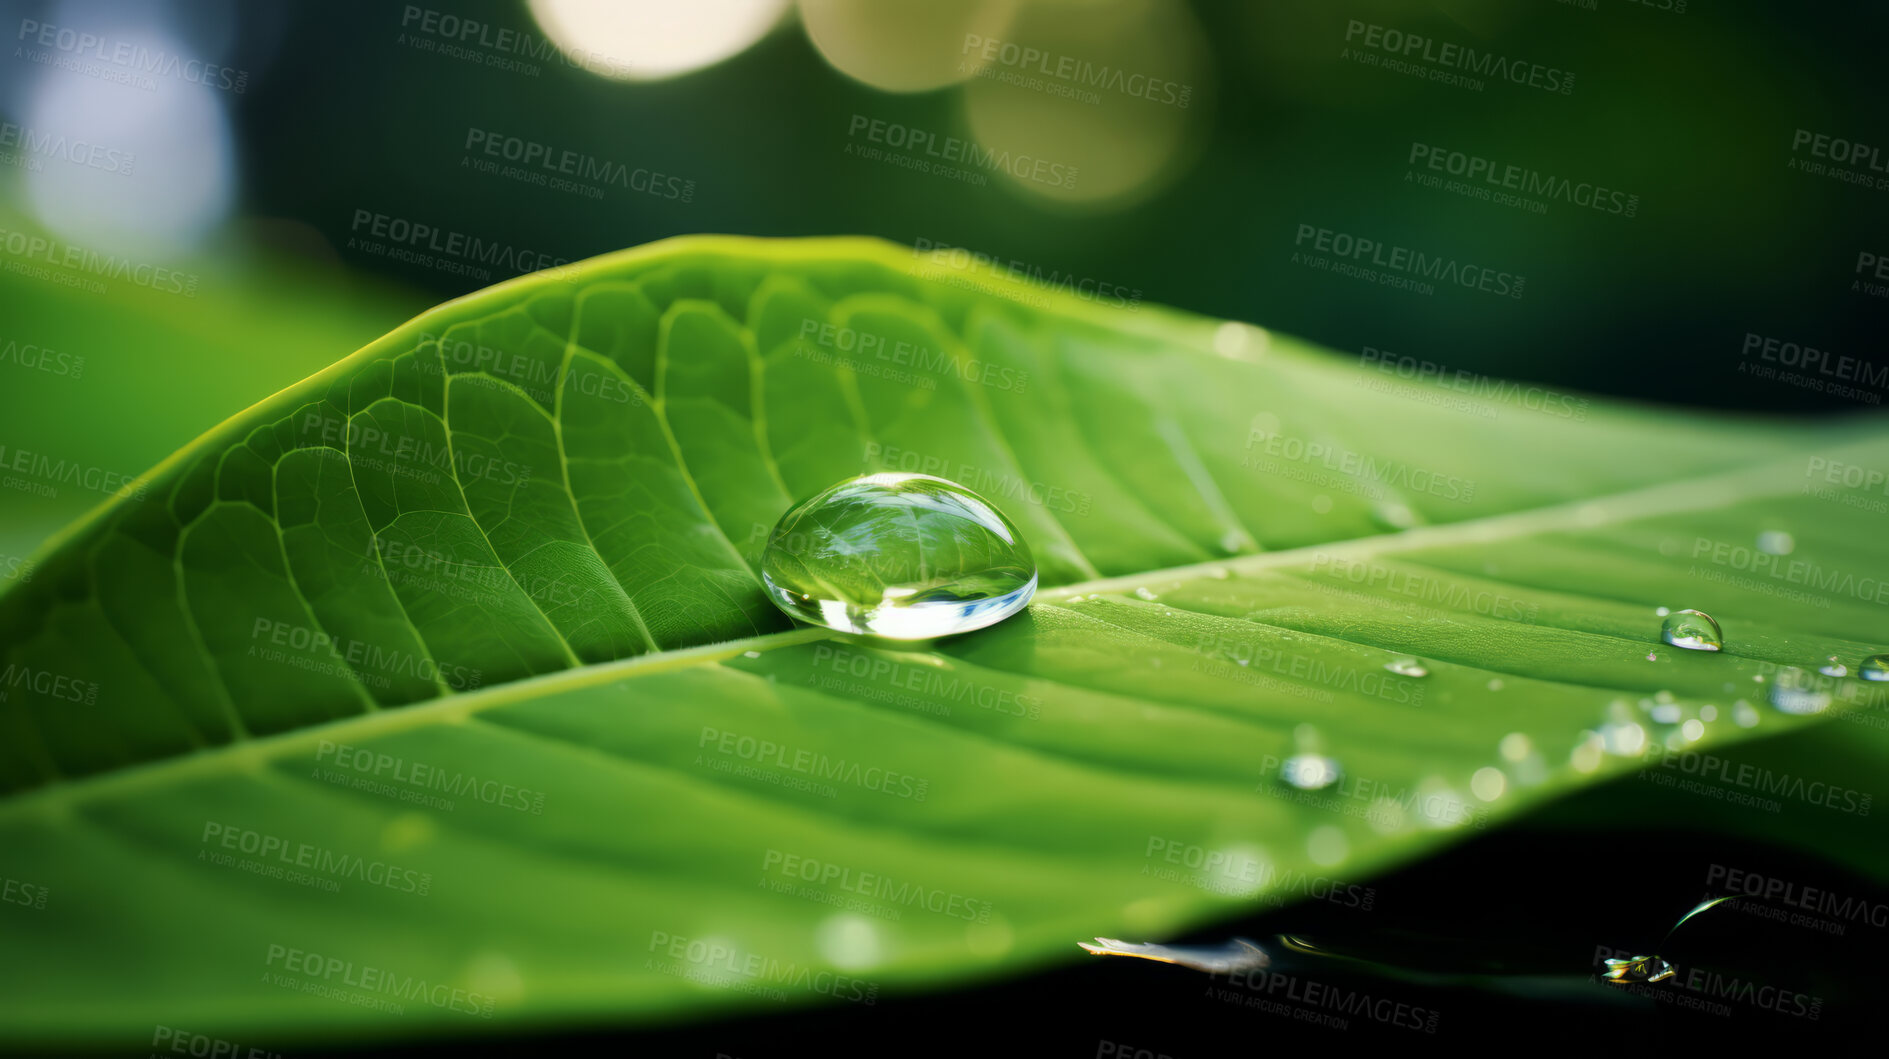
column 443, row 681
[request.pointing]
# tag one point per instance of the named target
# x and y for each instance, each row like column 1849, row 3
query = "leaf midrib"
column 1685, row 494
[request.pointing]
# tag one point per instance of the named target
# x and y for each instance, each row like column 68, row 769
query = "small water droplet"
column 1495, row 684
column 1219, row 573
column 1407, row 667
column 902, row 556
column 1708, row 713
column 1663, row 611
column 1239, row 341
column 1744, row 714
column 1488, row 783
column 1397, row 516
column 1666, row 713
column 1652, row 656
column 1623, row 740
column 1776, row 542
column 1587, row 753
column 1638, row 969
column 1833, row 668
column 1798, row 691
column 1515, row 746
column 849, row 941
column 1693, row 630
column 1144, row 592
column 1694, row 730
column 1310, row 772
column 750, row 654
column 1875, row 667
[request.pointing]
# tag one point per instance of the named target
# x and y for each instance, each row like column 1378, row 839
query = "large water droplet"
column 1638, row 969
column 1800, row 691
column 1310, row 772
column 1875, row 667
column 1693, row 630
column 903, row 556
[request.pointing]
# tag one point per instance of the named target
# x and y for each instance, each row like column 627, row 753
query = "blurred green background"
column 203, row 202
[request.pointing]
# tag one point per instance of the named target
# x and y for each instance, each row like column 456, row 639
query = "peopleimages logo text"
column 1451, row 56
column 1078, row 71
column 1402, row 259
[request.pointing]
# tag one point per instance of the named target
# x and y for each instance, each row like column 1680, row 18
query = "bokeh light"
column 649, row 40
column 1104, row 97
column 149, row 168
column 906, row 47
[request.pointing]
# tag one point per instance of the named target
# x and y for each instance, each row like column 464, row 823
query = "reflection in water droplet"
column 1701, row 908
column 1310, row 772
column 1693, row 630
column 1799, row 691
column 1875, row 667
column 1638, row 969
column 1407, row 667
column 1833, row 668
column 1238, row 954
column 903, row 556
